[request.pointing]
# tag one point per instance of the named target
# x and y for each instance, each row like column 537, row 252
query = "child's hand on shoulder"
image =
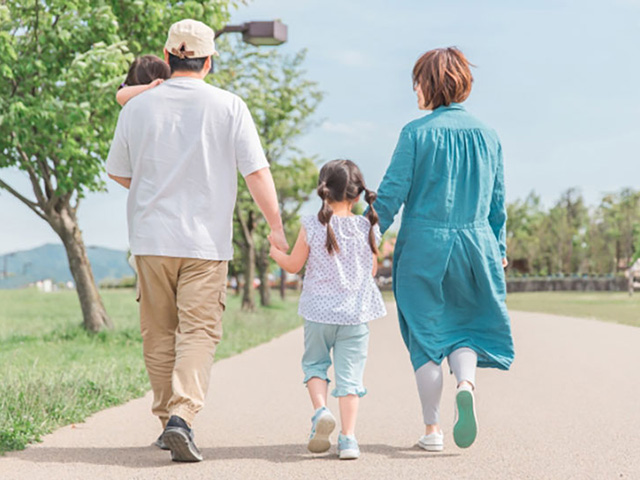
column 156, row 82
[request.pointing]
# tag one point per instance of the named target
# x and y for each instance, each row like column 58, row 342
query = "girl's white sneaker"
column 434, row 442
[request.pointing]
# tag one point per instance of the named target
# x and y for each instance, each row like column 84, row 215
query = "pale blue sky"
column 557, row 79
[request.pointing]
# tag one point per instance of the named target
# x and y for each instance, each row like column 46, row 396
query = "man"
column 177, row 148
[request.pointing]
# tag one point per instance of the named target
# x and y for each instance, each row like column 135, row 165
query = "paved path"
column 569, row 409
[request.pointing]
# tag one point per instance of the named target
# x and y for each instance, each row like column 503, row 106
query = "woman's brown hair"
column 146, row 69
column 341, row 180
column 444, row 77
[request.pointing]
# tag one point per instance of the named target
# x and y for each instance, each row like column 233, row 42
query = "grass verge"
column 616, row 307
column 53, row 373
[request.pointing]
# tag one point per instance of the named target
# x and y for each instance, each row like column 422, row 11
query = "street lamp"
column 259, row 33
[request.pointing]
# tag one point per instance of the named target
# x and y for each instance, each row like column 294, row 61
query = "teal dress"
column 448, row 279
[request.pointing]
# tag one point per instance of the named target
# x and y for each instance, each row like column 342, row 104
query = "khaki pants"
column 181, row 305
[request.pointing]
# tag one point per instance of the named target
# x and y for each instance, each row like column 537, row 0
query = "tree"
column 570, row 238
column 282, row 102
column 619, row 215
column 295, row 182
column 60, row 63
column 524, row 220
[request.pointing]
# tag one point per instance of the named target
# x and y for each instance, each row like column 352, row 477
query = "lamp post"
column 259, row 33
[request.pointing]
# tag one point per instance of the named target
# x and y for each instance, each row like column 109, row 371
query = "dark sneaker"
column 179, row 438
column 160, row 443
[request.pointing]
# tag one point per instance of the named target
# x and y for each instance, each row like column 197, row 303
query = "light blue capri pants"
column 349, row 343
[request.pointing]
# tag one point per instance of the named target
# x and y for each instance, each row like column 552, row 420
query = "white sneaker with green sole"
column 465, row 427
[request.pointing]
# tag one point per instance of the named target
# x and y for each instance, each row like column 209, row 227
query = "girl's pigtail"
column 324, row 215
column 370, row 197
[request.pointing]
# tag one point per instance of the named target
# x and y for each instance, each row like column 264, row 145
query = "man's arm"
column 263, row 191
column 292, row 263
column 124, row 181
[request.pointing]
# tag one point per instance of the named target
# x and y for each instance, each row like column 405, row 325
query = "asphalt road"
column 568, row 409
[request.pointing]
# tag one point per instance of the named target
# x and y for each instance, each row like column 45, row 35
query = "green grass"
column 608, row 306
column 615, row 307
column 53, row 373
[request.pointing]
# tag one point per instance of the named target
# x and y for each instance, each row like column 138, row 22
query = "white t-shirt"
column 181, row 143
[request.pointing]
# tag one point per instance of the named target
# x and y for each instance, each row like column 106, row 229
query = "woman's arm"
column 127, row 93
column 292, row 263
column 498, row 211
column 396, row 183
column 375, row 265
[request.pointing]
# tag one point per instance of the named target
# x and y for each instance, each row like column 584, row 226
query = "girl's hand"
column 156, row 82
column 294, row 262
column 273, row 251
column 278, row 239
column 505, row 262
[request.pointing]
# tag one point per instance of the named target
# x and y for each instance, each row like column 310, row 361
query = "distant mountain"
column 50, row 261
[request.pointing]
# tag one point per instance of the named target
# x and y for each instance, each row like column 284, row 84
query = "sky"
column 558, row 80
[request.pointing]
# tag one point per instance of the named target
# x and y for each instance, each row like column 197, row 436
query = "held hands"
column 278, row 241
column 273, row 252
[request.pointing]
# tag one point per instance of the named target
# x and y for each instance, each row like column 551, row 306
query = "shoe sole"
column 466, row 428
column 320, row 442
column 159, row 444
column 348, row 454
column 431, row 448
column 182, row 447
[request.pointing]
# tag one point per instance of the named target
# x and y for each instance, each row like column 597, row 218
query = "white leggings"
column 462, row 363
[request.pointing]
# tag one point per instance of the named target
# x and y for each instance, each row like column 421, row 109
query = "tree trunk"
column 94, row 315
column 248, row 300
column 248, row 225
column 262, row 264
column 283, row 284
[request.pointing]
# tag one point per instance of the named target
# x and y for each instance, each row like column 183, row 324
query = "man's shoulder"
column 203, row 89
column 218, row 94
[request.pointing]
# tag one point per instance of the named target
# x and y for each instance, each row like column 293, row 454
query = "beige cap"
column 190, row 39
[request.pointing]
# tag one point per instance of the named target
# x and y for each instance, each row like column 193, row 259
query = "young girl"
column 339, row 296
column 145, row 72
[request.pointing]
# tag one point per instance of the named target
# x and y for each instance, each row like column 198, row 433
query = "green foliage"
column 282, row 101
column 60, row 64
column 57, row 122
column 53, row 373
column 570, row 238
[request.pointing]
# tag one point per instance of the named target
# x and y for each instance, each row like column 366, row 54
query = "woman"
column 448, row 269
